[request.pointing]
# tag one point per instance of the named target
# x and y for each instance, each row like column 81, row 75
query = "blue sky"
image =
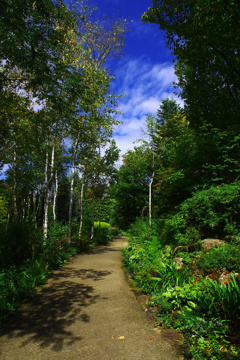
column 144, row 74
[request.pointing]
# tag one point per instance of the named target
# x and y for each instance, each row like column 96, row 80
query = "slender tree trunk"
column 81, row 212
column 24, row 209
column 48, row 183
column 71, row 204
column 45, row 207
column 55, row 197
column 92, row 219
column 150, row 199
column 71, row 190
column 15, row 207
column 35, row 207
column 8, row 219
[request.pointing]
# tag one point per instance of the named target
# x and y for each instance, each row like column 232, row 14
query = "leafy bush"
column 223, row 257
column 18, row 242
column 148, row 263
column 200, row 308
column 222, row 301
column 57, row 231
column 101, row 225
column 201, row 311
column 18, row 283
column 57, row 251
column 102, row 232
column 213, row 212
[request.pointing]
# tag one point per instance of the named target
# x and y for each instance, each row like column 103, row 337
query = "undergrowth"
column 189, row 298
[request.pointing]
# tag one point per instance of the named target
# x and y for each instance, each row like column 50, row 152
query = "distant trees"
column 157, row 175
column 131, row 190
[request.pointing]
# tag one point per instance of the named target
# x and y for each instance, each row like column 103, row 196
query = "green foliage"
column 62, row 203
column 198, row 307
column 101, row 225
column 175, row 160
column 197, row 175
column 131, row 190
column 104, row 209
column 18, row 283
column 18, row 242
column 222, row 300
column 167, row 110
column 201, row 311
column 57, row 230
column 3, row 210
column 102, row 232
column 149, row 264
column 224, row 257
column 213, row 212
column 58, row 251
column 204, row 37
column 27, row 260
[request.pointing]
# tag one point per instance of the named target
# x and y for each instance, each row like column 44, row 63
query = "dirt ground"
column 86, row 311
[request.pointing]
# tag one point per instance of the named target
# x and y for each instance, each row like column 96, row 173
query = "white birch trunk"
column 15, row 185
column 150, row 199
column 35, row 207
column 45, row 208
column 55, row 197
column 71, row 190
column 92, row 219
column 71, row 204
column 81, row 212
column 47, row 190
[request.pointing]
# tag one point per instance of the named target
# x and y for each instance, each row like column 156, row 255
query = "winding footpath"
column 86, row 311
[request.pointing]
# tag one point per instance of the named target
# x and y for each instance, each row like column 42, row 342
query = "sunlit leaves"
column 53, row 87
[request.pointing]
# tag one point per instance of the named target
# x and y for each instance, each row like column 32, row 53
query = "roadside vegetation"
column 199, row 297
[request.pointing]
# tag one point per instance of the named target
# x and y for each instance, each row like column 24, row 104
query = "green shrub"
column 223, row 257
column 213, row 212
column 57, row 251
column 200, row 308
column 101, row 225
column 222, row 300
column 206, row 313
column 18, row 242
column 176, row 232
column 102, row 232
column 149, row 264
column 18, row 283
column 57, row 230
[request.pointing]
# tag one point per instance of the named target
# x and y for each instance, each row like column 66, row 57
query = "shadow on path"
column 71, row 273
column 47, row 318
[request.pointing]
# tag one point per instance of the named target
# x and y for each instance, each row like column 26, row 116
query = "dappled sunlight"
column 48, row 318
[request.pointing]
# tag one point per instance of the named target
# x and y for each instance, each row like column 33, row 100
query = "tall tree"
column 204, row 36
column 167, row 109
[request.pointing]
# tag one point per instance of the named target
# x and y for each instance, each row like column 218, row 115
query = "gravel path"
column 86, row 311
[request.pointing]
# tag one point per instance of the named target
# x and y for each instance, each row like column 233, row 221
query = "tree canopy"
column 204, row 36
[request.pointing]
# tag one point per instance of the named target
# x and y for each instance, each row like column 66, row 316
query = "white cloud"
column 145, row 85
